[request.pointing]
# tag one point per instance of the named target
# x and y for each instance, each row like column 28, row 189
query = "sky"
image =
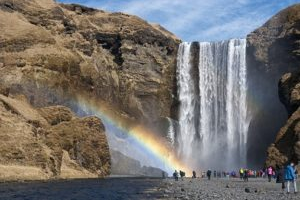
column 198, row 20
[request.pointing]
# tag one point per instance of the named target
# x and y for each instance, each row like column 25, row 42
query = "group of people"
column 285, row 175
column 176, row 175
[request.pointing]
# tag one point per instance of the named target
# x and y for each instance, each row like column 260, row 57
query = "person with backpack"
column 182, row 174
column 290, row 177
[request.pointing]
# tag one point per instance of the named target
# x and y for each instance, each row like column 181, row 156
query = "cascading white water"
column 215, row 136
column 186, row 98
column 171, row 131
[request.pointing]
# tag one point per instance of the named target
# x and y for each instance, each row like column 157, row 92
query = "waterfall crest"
column 212, row 88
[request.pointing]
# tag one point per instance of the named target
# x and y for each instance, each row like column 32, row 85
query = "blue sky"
column 198, row 20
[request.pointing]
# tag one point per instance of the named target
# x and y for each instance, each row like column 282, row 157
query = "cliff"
column 49, row 142
column 53, row 53
column 50, row 52
column 287, row 143
column 272, row 51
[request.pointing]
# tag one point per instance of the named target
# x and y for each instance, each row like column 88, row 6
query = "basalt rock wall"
column 272, row 51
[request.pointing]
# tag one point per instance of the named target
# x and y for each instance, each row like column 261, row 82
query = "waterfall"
column 212, row 86
column 171, row 132
column 187, row 99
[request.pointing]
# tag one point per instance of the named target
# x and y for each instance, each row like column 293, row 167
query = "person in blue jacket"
column 290, row 177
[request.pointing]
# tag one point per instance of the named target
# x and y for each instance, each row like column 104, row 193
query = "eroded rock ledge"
column 50, row 142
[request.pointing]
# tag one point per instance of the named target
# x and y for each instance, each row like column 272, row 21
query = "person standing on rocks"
column 246, row 174
column 290, row 177
column 182, row 174
column 270, row 173
column 241, row 173
column 280, row 176
column 208, row 174
column 194, row 174
column 175, row 175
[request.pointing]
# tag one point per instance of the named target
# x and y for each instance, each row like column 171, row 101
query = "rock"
column 85, row 141
column 247, row 190
column 275, row 157
column 168, row 191
column 286, row 145
column 7, row 6
column 182, row 189
column 65, row 50
column 56, row 114
column 21, row 63
column 272, row 51
column 31, row 148
column 4, row 91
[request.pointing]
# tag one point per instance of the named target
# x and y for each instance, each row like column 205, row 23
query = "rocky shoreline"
column 146, row 188
column 233, row 188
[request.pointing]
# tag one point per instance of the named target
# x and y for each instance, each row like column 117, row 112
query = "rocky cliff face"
column 287, row 143
column 49, row 142
column 272, row 51
column 50, row 51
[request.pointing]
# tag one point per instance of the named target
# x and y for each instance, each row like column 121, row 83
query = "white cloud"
column 199, row 19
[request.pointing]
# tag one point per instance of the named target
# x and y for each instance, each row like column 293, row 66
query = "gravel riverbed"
column 233, row 188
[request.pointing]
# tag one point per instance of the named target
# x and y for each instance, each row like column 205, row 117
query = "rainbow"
column 142, row 135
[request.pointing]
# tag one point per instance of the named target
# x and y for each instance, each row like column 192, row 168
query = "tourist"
column 215, row 174
column 233, row 174
column 182, row 174
column 270, row 173
column 175, row 175
column 241, row 173
column 245, row 175
column 290, row 177
column 194, row 174
column 280, row 176
column 208, row 174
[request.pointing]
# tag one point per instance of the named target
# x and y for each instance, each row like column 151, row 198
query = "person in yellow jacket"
column 241, row 173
